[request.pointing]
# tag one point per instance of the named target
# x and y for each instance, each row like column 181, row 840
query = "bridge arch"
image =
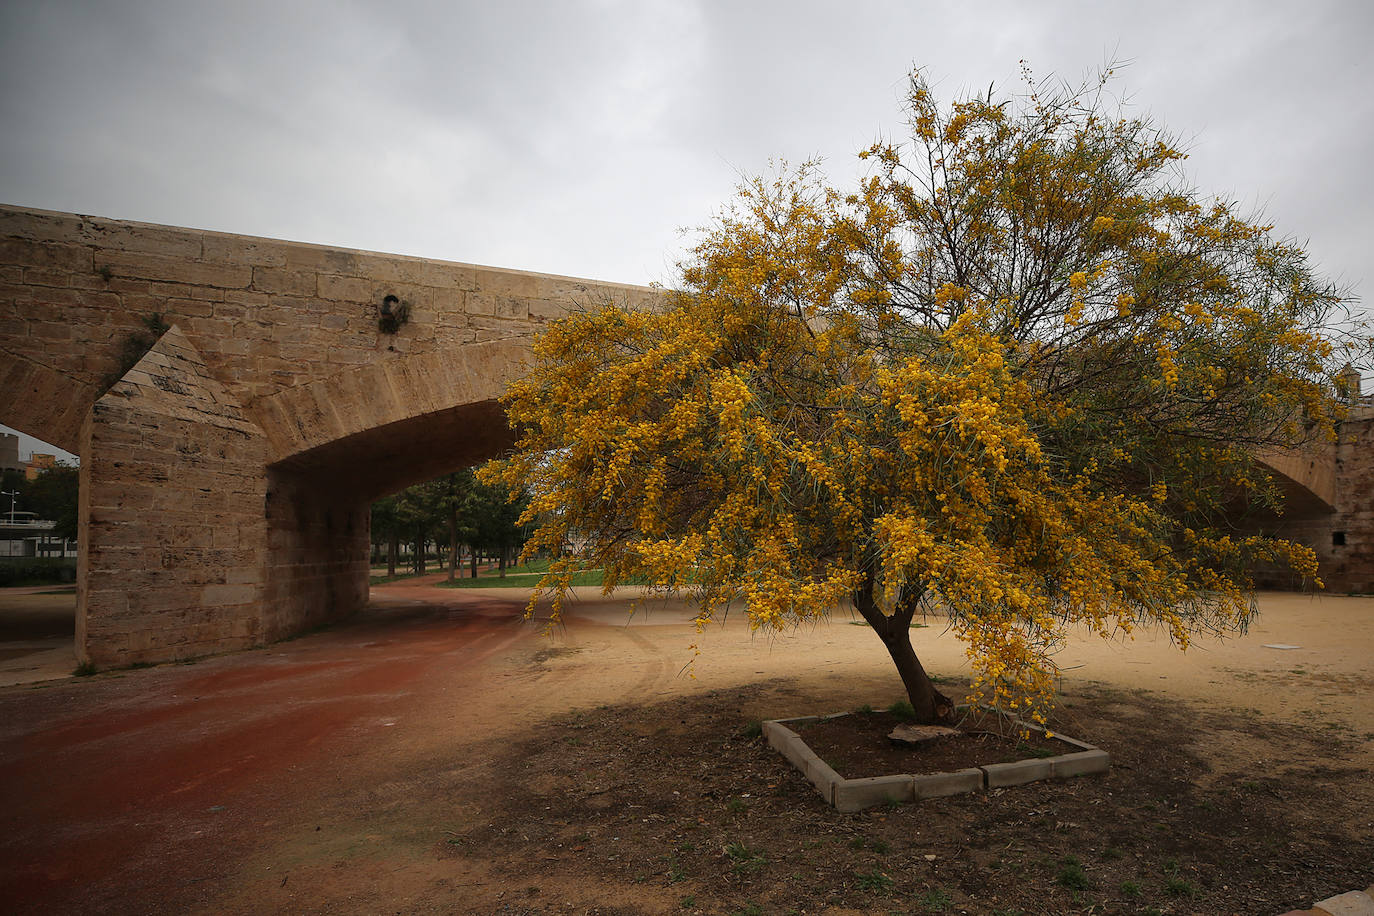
column 227, row 473
column 1307, row 477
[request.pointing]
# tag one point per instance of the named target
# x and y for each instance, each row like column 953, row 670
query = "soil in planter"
column 857, row 745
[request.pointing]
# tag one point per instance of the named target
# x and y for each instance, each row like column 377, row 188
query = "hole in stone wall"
column 1338, row 539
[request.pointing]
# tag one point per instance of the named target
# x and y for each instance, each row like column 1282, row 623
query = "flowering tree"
column 1016, row 377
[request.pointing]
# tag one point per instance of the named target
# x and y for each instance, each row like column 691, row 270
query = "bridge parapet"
column 266, row 315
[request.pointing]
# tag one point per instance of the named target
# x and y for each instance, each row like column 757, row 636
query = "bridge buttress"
column 173, row 535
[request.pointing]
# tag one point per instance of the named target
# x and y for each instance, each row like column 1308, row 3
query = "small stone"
column 920, row 734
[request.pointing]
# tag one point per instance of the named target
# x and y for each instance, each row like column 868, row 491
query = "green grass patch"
column 522, row 575
column 936, row 900
column 1071, row 874
column 383, row 579
column 902, row 709
column 521, row 580
column 1029, row 750
column 28, row 571
column 743, row 860
column 1177, row 887
column 873, row 881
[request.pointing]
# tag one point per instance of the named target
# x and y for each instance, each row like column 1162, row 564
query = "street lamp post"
column 13, row 495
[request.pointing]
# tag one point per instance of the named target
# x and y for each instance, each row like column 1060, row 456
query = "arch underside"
column 318, row 507
column 1307, row 478
column 370, row 464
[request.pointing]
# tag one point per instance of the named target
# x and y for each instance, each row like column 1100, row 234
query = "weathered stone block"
column 233, row 249
column 857, row 794
column 348, row 289
column 1079, row 764
column 548, row 308
column 184, row 291
column 282, row 280
column 142, row 237
column 45, row 254
column 41, row 277
column 937, row 785
column 161, row 267
column 1016, row 774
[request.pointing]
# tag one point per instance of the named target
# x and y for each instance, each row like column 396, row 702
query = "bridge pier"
column 318, row 554
column 226, row 477
column 190, row 544
column 174, row 538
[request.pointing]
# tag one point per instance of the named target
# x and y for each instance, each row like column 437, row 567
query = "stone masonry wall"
column 266, row 315
column 317, row 555
column 173, row 538
column 225, row 501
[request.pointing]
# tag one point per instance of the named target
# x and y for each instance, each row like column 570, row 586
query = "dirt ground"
column 438, row 755
column 37, row 632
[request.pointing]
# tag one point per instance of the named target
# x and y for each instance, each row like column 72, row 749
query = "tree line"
column 455, row 513
column 51, row 496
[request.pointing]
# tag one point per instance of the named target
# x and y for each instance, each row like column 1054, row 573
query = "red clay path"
column 125, row 791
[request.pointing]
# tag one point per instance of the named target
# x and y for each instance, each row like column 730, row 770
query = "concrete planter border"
column 851, row 795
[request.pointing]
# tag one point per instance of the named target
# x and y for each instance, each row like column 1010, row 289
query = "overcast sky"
column 581, row 137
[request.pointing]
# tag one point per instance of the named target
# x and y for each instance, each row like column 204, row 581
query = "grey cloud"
column 576, row 137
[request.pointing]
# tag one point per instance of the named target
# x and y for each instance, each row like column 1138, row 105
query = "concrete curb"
column 853, row 795
column 1353, row 903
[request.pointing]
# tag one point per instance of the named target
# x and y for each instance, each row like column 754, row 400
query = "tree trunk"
column 932, row 707
column 503, row 563
column 420, row 553
column 473, row 548
column 453, row 543
column 393, row 547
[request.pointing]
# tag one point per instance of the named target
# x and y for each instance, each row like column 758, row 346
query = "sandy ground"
column 193, row 787
column 37, row 628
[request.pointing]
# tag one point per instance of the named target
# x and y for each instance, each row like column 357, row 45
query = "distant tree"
column 13, row 482
column 456, row 503
column 496, row 512
column 420, row 512
column 386, row 530
column 467, row 512
column 55, row 495
column 1017, row 376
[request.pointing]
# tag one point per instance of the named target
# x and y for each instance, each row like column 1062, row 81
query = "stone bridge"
column 226, row 472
